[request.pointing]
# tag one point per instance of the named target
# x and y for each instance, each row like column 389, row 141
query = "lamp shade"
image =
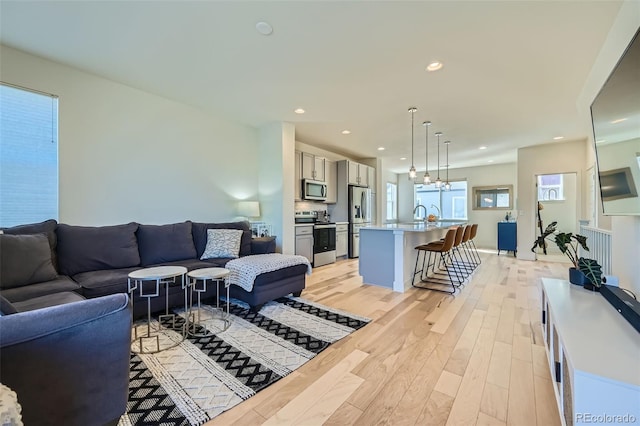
column 249, row 208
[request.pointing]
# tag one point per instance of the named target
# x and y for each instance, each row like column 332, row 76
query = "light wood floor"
column 426, row 358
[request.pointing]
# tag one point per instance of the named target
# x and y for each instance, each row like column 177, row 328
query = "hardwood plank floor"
column 426, row 358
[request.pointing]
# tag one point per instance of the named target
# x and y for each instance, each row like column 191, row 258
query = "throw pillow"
column 165, row 243
column 199, row 231
column 25, row 259
column 222, row 243
column 48, row 227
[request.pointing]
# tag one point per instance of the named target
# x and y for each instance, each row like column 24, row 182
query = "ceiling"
column 512, row 71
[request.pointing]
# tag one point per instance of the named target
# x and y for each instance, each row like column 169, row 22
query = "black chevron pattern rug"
column 201, row 377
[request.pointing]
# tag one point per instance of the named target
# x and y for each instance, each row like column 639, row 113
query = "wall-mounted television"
column 615, row 114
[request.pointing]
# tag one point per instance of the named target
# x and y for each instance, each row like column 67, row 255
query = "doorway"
column 557, row 196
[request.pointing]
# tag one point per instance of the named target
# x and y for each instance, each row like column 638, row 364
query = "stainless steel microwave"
column 314, row 190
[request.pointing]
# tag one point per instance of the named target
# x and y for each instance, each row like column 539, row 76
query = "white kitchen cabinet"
column 342, row 239
column 592, row 352
column 297, row 186
column 371, row 178
column 331, row 168
column 313, row 167
column 359, row 174
column 353, row 175
column 304, row 241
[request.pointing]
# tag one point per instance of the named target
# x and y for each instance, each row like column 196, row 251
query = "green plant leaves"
column 592, row 269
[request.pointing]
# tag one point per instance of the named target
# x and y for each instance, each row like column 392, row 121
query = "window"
column 28, row 156
column 392, row 202
column 493, row 197
column 550, row 187
column 450, row 204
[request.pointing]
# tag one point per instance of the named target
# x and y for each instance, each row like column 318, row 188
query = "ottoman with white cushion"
column 259, row 278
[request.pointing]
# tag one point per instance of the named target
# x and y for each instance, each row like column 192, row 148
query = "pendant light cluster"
column 426, row 180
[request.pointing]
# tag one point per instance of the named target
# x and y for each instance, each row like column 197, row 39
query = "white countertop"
column 414, row 227
column 303, row 224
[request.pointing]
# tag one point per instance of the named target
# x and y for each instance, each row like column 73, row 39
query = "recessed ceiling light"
column 482, row 147
column 403, row 158
column 490, row 161
column 619, row 120
column 264, row 28
column 298, row 111
column 346, row 132
column 557, row 138
column 434, row 66
column 381, row 148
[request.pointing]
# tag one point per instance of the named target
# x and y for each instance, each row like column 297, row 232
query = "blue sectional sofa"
column 49, row 263
column 69, row 364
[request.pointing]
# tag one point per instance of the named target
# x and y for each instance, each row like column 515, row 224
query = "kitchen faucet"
column 435, row 207
column 425, row 210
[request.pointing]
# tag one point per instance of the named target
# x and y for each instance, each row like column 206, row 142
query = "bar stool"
column 474, row 231
column 464, row 247
column 443, row 248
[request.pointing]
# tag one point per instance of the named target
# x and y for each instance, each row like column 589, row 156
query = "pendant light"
column 447, row 185
column 426, row 180
column 412, row 170
column 438, row 180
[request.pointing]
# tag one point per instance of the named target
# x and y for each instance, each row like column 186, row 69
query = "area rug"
column 202, row 377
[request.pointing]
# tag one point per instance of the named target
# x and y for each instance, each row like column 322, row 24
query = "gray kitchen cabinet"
column 304, row 241
column 342, row 239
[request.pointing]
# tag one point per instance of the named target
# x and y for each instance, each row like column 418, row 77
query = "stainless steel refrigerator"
column 359, row 216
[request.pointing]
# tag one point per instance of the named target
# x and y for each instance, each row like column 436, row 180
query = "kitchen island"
column 388, row 255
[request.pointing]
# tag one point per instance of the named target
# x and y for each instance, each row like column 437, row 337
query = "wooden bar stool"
column 443, row 249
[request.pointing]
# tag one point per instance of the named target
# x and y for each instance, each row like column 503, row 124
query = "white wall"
column 565, row 157
column 276, row 188
column 625, row 230
column 127, row 155
column 487, row 220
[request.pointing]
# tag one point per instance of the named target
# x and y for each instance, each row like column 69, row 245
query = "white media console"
column 594, row 356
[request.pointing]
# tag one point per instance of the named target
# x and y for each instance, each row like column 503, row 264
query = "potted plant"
column 585, row 272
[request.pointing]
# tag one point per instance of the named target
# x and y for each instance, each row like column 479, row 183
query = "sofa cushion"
column 60, row 284
column 165, row 243
column 25, row 259
column 48, row 227
column 86, row 248
column 199, row 231
column 6, row 307
column 47, row 301
column 103, row 282
column 222, row 243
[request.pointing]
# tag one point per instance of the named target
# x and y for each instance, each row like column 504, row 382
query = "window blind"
column 28, row 156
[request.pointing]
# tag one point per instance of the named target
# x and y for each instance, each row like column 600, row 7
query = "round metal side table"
column 200, row 316
column 149, row 337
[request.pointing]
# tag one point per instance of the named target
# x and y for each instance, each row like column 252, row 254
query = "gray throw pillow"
column 222, row 243
column 24, row 260
column 48, row 227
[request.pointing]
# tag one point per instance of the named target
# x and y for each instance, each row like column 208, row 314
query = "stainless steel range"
column 324, row 237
